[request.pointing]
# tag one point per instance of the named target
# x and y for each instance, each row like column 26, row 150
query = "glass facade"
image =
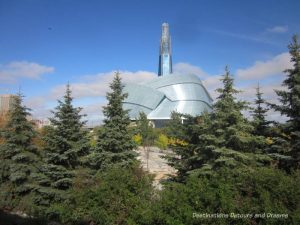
column 160, row 97
column 165, row 56
column 183, row 93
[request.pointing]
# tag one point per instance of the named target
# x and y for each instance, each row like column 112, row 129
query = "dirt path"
column 156, row 164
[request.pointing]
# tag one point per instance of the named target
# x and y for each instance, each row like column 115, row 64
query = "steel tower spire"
column 165, row 56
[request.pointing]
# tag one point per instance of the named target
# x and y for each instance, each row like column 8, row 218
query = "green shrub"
column 137, row 139
column 116, row 197
column 162, row 141
column 261, row 190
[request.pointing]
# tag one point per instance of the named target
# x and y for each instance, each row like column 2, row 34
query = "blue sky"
column 46, row 43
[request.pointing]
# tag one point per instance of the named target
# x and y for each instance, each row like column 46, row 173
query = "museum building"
column 183, row 93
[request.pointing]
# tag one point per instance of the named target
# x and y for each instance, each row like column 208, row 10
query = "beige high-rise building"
column 6, row 102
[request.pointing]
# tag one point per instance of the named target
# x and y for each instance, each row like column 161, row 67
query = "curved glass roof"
column 163, row 95
column 134, row 110
column 187, row 91
column 142, row 95
column 164, row 110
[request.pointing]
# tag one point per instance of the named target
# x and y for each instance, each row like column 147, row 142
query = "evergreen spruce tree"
column 114, row 144
column 261, row 125
column 233, row 143
column 223, row 138
column 175, row 127
column 231, row 128
column 18, row 155
column 65, row 143
column 181, row 129
column 145, row 129
column 290, row 102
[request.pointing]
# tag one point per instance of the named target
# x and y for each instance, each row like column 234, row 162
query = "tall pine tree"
column 290, row 101
column 261, row 125
column 181, row 128
column 65, row 143
column 233, row 143
column 114, row 143
column 145, row 129
column 223, row 138
column 18, row 155
column 175, row 127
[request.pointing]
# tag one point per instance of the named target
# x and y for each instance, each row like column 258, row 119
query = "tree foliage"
column 227, row 136
column 260, row 123
column 162, row 141
column 222, row 138
column 256, row 191
column 65, row 143
column 114, row 142
column 145, row 129
column 19, row 156
column 117, row 196
column 175, row 127
column 222, row 160
column 181, row 128
column 290, row 102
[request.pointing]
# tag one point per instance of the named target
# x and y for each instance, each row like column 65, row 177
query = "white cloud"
column 186, row 68
column 94, row 114
column 40, row 110
column 260, row 71
column 249, row 94
column 211, row 83
column 276, row 116
column 90, row 88
column 263, row 69
column 268, row 92
column 98, row 85
column 38, row 106
column 35, row 102
column 278, row 29
column 22, row 69
column 93, row 109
